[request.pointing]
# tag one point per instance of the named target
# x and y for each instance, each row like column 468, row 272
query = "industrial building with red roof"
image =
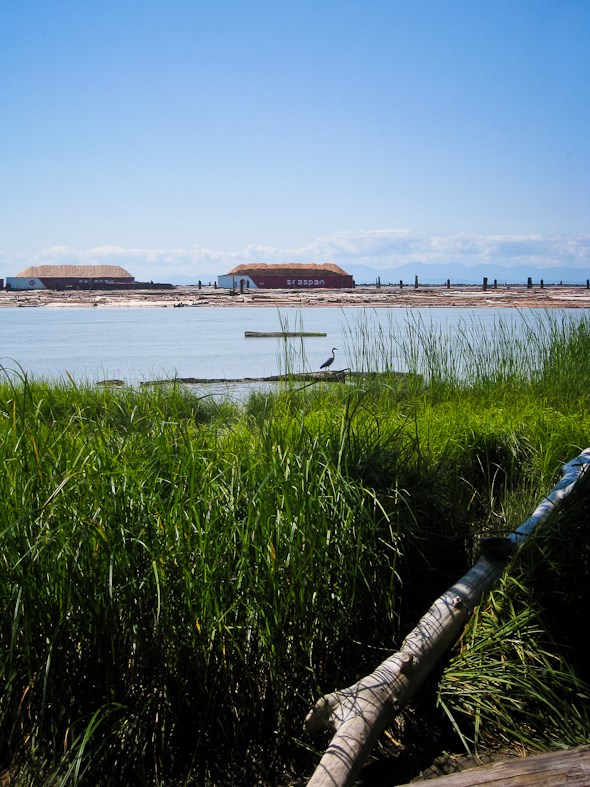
column 262, row 275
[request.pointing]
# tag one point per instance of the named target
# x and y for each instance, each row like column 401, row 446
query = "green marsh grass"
column 520, row 675
column 182, row 578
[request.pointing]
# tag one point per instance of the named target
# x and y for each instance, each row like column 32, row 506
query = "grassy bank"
column 182, row 579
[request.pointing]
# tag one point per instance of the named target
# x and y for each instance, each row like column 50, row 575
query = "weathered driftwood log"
column 328, row 376
column 357, row 715
column 555, row 769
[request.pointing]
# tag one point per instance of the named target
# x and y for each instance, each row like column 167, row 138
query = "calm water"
column 136, row 345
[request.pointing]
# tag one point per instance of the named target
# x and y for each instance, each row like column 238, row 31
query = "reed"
column 519, row 676
column 181, row 578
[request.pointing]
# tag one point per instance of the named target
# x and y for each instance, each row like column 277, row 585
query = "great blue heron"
column 330, row 360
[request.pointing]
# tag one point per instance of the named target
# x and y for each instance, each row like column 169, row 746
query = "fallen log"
column 571, row 767
column 306, row 377
column 359, row 714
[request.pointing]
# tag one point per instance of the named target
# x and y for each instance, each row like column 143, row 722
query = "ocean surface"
column 142, row 344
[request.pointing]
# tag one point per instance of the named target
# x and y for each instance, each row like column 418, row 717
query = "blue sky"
column 179, row 138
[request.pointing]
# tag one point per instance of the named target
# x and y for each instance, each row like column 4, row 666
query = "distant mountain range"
column 438, row 274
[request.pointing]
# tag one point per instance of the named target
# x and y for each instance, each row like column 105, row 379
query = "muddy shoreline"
column 506, row 296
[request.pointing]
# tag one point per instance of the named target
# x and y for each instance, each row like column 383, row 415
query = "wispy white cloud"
column 392, row 248
column 377, row 249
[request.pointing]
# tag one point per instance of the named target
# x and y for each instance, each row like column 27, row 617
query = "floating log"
column 358, row 714
column 280, row 334
column 306, row 377
column 553, row 769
